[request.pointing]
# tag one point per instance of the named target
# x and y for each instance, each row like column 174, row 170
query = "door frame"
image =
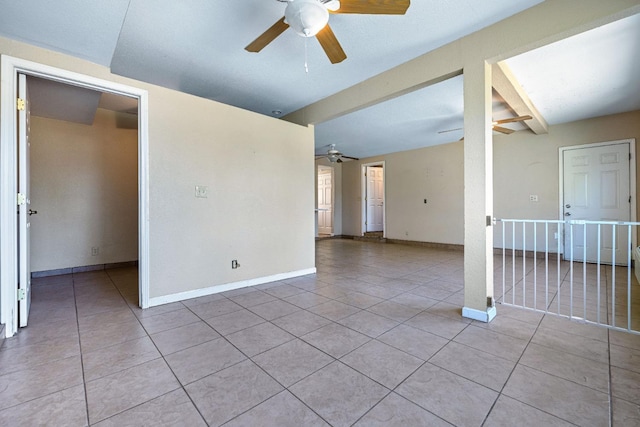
column 363, row 197
column 333, row 195
column 10, row 67
column 632, row 182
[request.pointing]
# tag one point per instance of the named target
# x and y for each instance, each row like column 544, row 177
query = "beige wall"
column 260, row 205
column 84, row 185
column 524, row 164
column 527, row 164
column 411, row 176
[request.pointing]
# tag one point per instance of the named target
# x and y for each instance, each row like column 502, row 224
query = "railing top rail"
column 550, row 221
column 568, row 222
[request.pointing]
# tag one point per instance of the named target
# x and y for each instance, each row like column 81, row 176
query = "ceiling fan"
column 310, row 18
column 334, row 155
column 495, row 125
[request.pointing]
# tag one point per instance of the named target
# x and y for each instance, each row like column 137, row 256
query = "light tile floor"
column 375, row 338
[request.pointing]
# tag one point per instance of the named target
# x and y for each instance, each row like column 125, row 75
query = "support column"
column 478, row 193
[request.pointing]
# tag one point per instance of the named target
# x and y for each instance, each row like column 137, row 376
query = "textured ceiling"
column 588, row 75
column 593, row 74
column 197, row 46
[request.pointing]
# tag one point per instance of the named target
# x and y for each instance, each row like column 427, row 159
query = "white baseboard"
column 482, row 316
column 181, row 296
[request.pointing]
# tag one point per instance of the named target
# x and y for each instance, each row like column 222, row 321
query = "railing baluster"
column 524, row 265
column 570, row 275
column 584, row 272
column 535, row 265
column 513, row 263
column 613, row 275
column 504, row 273
column 598, row 271
column 629, row 277
column 560, row 239
column 546, row 266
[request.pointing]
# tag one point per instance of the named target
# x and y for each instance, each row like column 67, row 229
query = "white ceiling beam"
column 508, row 87
column 538, row 26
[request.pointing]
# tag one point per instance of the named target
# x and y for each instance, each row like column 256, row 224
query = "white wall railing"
column 579, row 269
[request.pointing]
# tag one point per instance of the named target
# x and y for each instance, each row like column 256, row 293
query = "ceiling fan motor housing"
column 306, row 17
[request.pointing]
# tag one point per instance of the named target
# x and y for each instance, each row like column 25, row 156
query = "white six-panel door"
column 325, row 207
column 375, row 198
column 596, row 188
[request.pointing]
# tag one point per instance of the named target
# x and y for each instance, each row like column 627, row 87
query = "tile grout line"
column 181, row 386
column 84, row 379
column 254, row 363
column 500, row 393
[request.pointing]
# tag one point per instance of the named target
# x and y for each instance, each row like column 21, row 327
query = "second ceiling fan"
column 310, row 18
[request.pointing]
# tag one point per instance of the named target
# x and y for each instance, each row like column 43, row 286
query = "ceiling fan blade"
column 331, row 46
column 513, row 120
column 450, row 130
column 503, row 130
column 268, row 36
column 349, row 157
column 374, row 7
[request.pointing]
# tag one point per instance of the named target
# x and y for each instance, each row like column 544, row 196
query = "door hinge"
column 22, row 294
column 20, row 104
column 21, row 199
column 629, row 199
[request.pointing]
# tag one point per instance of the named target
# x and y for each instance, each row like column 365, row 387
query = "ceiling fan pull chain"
column 306, row 65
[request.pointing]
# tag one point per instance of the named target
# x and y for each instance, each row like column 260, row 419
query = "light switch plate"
column 202, row 191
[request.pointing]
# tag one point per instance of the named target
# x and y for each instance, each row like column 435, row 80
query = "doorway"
column 325, row 201
column 9, row 227
column 597, row 184
column 373, row 198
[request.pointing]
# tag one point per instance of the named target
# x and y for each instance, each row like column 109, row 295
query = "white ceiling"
column 593, row 74
column 197, row 46
column 61, row 101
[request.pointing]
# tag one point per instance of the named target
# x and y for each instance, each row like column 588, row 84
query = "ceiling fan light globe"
column 306, row 17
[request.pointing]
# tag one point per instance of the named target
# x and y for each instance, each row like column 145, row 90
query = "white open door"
column 24, row 203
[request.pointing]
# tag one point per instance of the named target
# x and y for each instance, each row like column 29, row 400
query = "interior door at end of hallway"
column 325, row 206
column 375, row 198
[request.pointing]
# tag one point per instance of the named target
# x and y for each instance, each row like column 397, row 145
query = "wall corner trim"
column 166, row 299
column 479, row 315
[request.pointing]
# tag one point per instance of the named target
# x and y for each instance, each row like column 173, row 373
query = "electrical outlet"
column 202, row 191
column 234, row 264
column 425, row 201
column 533, row 197
column 95, row 251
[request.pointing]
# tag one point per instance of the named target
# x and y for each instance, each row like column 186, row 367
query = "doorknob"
column 32, row 212
column 567, row 214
